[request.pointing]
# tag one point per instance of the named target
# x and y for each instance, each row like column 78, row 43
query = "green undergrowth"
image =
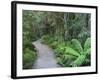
column 70, row 53
column 29, row 57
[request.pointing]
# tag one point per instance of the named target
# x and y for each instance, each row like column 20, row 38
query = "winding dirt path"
column 46, row 57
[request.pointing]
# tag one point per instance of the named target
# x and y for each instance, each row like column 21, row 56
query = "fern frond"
column 88, row 51
column 87, row 44
column 60, row 61
column 77, row 45
column 71, row 51
column 67, row 56
column 79, row 61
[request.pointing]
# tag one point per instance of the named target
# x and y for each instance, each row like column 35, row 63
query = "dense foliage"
column 70, row 53
column 29, row 52
column 68, row 34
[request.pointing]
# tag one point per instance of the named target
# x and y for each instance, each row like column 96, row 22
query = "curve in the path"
column 45, row 58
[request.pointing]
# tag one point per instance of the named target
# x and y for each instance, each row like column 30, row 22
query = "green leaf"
column 60, row 61
column 71, row 51
column 88, row 51
column 87, row 44
column 66, row 56
column 79, row 61
column 77, row 46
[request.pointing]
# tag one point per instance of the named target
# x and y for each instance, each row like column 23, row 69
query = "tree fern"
column 74, row 55
column 67, row 56
column 77, row 48
column 71, row 51
column 87, row 44
column 88, row 51
column 79, row 61
column 77, row 45
column 60, row 61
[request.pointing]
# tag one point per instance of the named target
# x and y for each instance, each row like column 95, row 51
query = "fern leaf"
column 71, row 51
column 77, row 45
column 87, row 44
column 79, row 61
column 88, row 51
column 60, row 61
column 67, row 56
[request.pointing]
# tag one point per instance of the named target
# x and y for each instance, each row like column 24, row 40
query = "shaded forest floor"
column 45, row 56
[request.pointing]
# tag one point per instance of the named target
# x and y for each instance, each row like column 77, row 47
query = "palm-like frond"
column 79, row 61
column 77, row 45
column 87, row 44
column 88, row 51
column 74, row 55
column 71, row 51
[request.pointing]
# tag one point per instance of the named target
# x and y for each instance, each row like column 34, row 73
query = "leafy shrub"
column 46, row 39
column 77, row 45
column 83, row 59
column 75, row 54
column 28, row 58
column 87, row 44
column 79, row 61
column 49, row 39
column 71, row 51
column 59, row 50
column 54, row 44
column 65, row 60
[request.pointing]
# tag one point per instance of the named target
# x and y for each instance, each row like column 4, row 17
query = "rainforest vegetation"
column 68, row 34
